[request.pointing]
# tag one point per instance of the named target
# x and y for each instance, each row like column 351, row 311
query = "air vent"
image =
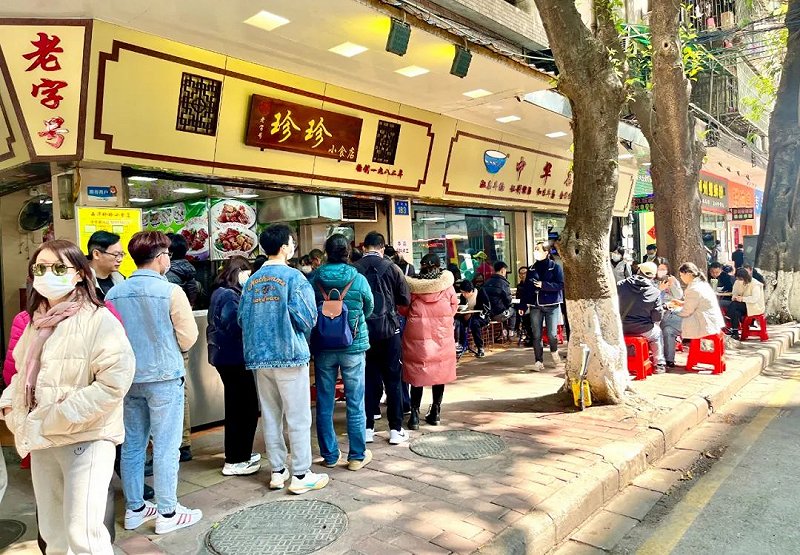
column 359, row 210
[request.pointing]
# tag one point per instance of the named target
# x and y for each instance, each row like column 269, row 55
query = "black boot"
column 413, row 419
column 434, row 418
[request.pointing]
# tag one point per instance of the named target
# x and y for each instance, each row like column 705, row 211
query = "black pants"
column 241, row 412
column 383, row 367
column 416, row 395
column 475, row 326
column 736, row 312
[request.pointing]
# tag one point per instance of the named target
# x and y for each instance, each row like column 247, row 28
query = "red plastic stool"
column 679, row 344
column 639, row 363
column 714, row 357
column 559, row 333
column 761, row 332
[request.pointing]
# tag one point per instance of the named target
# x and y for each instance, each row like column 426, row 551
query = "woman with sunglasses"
column 64, row 406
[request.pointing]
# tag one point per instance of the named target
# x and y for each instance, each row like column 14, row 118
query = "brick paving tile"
column 514, row 502
column 634, row 502
column 371, row 546
column 417, row 528
column 454, row 543
column 138, row 545
column 418, row 546
column 488, row 523
column 576, row 469
column 461, row 527
column 387, row 533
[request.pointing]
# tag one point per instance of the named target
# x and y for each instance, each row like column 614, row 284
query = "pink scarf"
column 45, row 324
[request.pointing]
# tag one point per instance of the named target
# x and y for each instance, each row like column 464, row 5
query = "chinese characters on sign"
column 366, row 168
column 402, row 208
column 518, row 189
column 713, row 195
column 283, row 125
column 643, row 204
column 386, row 140
column 742, row 214
column 47, row 90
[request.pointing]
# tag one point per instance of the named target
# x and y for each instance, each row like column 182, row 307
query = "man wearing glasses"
column 105, row 255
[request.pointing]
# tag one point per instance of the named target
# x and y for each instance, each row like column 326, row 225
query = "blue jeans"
column 326, row 368
column 670, row 330
column 152, row 409
column 550, row 316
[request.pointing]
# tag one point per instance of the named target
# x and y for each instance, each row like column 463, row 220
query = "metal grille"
column 198, row 105
column 457, row 445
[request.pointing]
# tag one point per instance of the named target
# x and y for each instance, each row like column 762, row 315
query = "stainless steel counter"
column 204, row 386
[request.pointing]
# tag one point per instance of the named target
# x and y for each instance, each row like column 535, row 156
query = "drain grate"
column 10, row 531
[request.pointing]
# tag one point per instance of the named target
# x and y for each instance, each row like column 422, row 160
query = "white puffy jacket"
column 753, row 296
column 87, row 366
column 700, row 312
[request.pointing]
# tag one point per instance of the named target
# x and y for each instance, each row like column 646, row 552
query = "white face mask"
column 244, row 275
column 616, row 257
column 52, row 287
column 661, row 274
column 539, row 255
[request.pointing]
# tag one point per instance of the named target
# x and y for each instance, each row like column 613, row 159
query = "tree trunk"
column 778, row 251
column 675, row 153
column 591, row 79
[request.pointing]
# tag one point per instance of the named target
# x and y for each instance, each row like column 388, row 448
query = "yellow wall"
column 140, row 82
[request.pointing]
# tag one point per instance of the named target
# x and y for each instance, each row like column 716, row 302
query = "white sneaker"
column 243, row 468
column 538, row 366
column 135, row 519
column 182, row 518
column 369, row 437
column 377, row 416
column 555, row 357
column 309, row 482
column 278, row 479
column 397, row 437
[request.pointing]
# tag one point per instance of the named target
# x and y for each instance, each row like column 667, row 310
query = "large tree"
column 660, row 102
column 591, row 75
column 778, row 252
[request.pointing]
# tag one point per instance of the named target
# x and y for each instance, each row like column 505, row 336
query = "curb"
column 542, row 529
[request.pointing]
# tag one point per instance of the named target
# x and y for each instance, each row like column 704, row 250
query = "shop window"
column 198, row 105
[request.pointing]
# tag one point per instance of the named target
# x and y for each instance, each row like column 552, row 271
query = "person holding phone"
column 543, row 294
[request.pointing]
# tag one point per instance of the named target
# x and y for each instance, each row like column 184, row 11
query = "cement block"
column 634, row 502
column 605, row 530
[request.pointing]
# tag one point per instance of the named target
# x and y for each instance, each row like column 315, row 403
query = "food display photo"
column 233, row 228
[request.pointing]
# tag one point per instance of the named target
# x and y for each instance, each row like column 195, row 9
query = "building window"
column 198, row 105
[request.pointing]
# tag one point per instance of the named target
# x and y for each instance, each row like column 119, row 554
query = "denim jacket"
column 277, row 313
column 144, row 302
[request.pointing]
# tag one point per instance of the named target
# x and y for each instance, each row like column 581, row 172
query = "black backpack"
column 383, row 322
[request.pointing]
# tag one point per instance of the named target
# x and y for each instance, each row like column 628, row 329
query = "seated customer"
column 755, row 273
column 498, row 290
column 748, row 300
column 641, row 309
column 724, row 283
column 471, row 299
column 671, row 324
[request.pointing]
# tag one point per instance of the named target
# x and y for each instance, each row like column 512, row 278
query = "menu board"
column 386, row 139
column 233, row 228
column 122, row 221
column 189, row 218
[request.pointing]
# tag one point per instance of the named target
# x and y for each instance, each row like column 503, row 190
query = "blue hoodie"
column 359, row 299
column 277, row 313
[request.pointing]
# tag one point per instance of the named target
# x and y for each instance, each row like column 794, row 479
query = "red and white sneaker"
column 182, row 518
column 134, row 519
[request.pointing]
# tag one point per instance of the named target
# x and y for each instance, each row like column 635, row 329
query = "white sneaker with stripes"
column 134, row 519
column 182, row 518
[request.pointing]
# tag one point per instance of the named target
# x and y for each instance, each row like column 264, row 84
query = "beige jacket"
column 700, row 311
column 753, row 296
column 86, row 370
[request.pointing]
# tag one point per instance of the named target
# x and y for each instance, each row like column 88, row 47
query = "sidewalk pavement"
column 559, row 465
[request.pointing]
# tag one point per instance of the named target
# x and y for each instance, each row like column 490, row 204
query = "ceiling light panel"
column 508, row 119
column 348, row 49
column 412, row 71
column 478, row 93
column 267, row 21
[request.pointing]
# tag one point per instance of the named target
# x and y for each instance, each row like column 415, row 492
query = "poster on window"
column 189, row 218
column 233, row 228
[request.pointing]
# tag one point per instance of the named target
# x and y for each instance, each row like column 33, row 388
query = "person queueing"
column 543, row 294
column 336, row 279
column 105, row 256
column 383, row 369
column 699, row 308
column 747, row 300
column 429, row 350
column 226, row 354
column 671, row 290
column 64, row 406
column 159, row 321
column 277, row 313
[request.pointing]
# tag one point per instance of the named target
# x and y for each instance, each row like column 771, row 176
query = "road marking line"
column 684, row 513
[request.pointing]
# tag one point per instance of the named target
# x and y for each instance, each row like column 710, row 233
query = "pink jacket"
column 18, row 326
column 429, row 347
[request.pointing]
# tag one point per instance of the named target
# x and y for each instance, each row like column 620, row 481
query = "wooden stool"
column 639, row 363
column 761, row 333
column 714, row 357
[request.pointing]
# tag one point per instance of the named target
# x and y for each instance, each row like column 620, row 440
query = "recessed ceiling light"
column 140, row 199
column 555, row 134
column 348, row 49
column 187, row 190
column 266, row 20
column 142, row 178
column 412, row 71
column 626, row 156
column 477, row 93
column 508, row 119
column 247, row 195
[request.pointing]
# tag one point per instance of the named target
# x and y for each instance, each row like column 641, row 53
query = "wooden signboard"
column 283, row 125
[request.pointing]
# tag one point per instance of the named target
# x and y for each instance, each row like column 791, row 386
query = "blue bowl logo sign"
column 494, row 160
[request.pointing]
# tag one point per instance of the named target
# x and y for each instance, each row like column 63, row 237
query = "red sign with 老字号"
column 283, row 125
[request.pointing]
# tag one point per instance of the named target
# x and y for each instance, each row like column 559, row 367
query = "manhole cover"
column 10, row 531
column 281, row 527
column 457, row 445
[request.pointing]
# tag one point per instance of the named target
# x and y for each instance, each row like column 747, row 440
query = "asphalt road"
column 744, row 503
